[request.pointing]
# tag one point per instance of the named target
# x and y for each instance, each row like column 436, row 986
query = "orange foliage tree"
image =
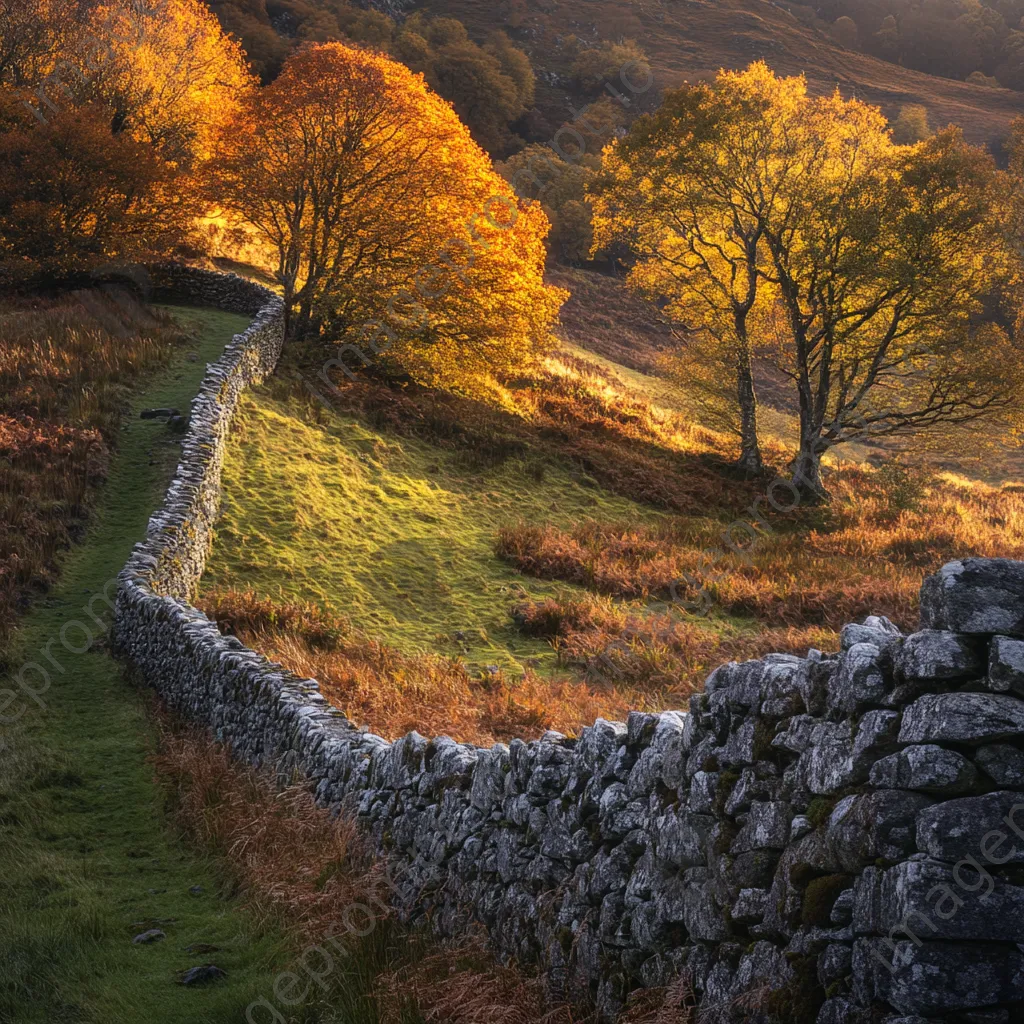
column 31, row 34
column 165, row 68
column 388, row 226
column 74, row 197
column 107, row 109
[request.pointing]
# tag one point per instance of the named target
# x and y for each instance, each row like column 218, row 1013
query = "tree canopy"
column 107, row 112
column 490, row 83
column 389, row 229
column 164, row 68
column 952, row 38
column 75, row 198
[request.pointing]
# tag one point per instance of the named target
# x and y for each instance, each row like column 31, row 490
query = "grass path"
column 86, row 858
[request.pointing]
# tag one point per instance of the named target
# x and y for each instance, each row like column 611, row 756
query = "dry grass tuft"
column 673, row 1004
column 394, row 693
column 290, row 859
column 864, row 554
column 466, row 986
column 628, row 662
column 661, row 658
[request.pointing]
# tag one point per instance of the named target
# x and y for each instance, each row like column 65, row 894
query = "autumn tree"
column 32, row 36
column 558, row 172
column 164, row 68
column 389, row 230
column 490, row 83
column 75, row 197
column 595, row 66
column 106, row 108
column 844, row 32
column 559, row 185
column 269, row 32
column 167, row 71
column 871, row 262
column 911, row 125
column 884, row 278
column 691, row 189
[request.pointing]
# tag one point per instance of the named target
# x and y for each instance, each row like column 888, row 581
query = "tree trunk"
column 302, row 318
column 750, row 447
column 807, row 471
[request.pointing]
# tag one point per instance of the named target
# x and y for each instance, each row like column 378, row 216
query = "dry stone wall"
column 837, row 838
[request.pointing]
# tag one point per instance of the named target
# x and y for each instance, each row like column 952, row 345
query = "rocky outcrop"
column 837, row 838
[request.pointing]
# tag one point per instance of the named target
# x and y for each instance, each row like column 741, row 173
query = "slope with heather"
column 695, row 38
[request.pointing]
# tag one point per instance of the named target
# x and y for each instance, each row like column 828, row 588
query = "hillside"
column 689, row 39
column 488, row 572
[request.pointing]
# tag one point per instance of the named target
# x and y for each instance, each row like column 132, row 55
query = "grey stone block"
column 938, row 654
column 965, row 718
column 875, row 825
column 971, row 826
column 933, row 900
column 926, row 767
column 1003, row 764
column 975, row 595
column 1006, row 665
column 936, row 978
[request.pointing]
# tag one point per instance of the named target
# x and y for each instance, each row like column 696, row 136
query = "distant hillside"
column 689, row 39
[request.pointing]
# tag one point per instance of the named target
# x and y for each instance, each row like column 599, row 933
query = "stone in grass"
column 201, row 949
column 153, row 935
column 1006, row 665
column 926, row 767
column 201, row 975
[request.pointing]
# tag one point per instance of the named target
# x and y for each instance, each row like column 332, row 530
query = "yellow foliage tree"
column 392, row 235
column 690, row 189
column 860, row 267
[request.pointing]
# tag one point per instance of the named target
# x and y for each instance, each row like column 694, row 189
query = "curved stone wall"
column 836, row 838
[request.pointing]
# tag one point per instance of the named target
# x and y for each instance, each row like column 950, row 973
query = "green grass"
column 395, row 534
column 88, row 861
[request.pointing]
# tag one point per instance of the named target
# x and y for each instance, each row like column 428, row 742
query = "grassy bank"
column 394, row 533
column 89, row 862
